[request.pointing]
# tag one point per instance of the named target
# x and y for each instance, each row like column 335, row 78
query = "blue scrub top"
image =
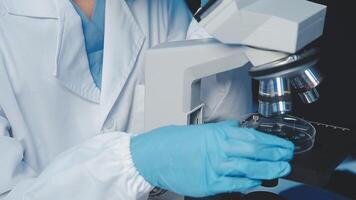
column 93, row 30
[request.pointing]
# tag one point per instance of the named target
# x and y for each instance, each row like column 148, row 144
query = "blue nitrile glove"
column 204, row 160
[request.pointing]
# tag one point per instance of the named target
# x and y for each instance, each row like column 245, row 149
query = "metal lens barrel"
column 305, row 83
column 275, row 96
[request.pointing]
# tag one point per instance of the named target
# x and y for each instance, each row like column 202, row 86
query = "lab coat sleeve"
column 100, row 168
column 12, row 166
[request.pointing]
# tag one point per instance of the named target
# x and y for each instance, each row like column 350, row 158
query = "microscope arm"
column 174, row 73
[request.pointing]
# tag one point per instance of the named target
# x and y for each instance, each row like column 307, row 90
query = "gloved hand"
column 204, row 160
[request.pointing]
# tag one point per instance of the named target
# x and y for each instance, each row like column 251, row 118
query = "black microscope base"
column 332, row 147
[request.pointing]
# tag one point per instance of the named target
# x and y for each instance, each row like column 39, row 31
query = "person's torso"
column 56, row 103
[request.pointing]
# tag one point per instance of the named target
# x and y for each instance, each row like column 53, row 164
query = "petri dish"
column 291, row 128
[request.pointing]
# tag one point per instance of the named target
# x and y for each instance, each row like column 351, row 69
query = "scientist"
column 71, row 108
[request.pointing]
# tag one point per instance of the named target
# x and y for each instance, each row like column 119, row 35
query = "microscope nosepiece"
column 276, row 79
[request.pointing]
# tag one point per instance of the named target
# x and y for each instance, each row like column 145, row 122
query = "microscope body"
column 246, row 33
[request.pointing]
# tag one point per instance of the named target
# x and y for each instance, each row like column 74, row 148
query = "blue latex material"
column 93, row 30
column 203, row 2
column 204, row 160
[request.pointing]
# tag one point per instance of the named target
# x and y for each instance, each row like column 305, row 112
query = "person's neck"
column 87, row 6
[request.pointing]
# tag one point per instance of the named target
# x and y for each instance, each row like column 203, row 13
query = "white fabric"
column 61, row 137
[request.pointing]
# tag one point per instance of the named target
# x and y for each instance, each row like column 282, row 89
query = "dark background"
column 337, row 65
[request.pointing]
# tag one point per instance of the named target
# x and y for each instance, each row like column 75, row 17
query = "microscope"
column 267, row 35
column 271, row 37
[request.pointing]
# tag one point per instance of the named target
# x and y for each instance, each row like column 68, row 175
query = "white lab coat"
column 49, row 103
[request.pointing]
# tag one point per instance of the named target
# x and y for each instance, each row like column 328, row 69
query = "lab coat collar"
column 122, row 43
column 72, row 65
column 124, row 40
column 32, row 8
